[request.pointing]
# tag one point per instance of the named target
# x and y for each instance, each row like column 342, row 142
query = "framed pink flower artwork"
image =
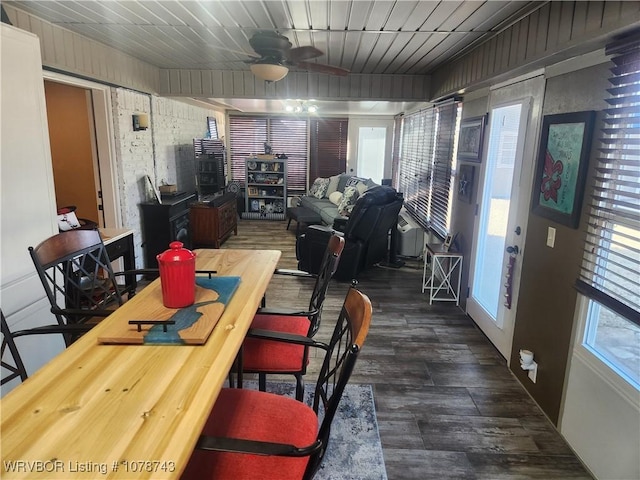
column 563, row 160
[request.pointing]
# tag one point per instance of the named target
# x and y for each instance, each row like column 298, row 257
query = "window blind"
column 328, row 147
column 288, row 135
column 610, row 272
column 425, row 164
column 247, row 135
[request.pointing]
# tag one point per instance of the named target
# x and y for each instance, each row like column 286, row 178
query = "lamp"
column 140, row 122
column 269, row 71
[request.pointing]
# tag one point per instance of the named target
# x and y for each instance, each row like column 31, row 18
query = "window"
column 286, row 135
column 426, row 163
column 328, row 153
column 610, row 273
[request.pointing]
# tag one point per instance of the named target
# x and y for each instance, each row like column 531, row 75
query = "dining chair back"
column 10, row 358
column 264, row 356
column 328, row 268
column 77, row 276
column 252, row 434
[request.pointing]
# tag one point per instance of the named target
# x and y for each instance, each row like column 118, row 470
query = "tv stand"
column 212, row 222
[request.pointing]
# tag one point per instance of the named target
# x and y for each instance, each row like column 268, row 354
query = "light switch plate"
column 551, row 237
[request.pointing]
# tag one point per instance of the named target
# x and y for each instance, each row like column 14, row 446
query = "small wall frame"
column 471, row 139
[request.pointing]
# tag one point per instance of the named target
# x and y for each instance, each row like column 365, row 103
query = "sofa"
column 334, row 197
column 366, row 234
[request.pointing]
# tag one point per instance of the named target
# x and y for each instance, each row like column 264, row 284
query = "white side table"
column 438, row 277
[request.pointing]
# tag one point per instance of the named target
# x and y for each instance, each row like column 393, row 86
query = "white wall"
column 27, row 199
column 601, row 413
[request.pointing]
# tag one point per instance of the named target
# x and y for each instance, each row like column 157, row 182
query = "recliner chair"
column 366, row 234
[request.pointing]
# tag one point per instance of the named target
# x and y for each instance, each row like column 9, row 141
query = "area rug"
column 355, row 451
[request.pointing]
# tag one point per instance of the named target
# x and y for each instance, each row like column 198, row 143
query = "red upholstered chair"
column 263, row 355
column 258, row 435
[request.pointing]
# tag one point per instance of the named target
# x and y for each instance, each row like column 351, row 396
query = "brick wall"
column 164, row 151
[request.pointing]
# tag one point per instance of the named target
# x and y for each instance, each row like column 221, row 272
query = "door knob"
column 513, row 249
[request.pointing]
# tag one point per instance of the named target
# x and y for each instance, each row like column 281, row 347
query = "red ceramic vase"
column 177, row 276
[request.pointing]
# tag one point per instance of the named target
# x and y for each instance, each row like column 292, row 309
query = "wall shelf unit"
column 266, row 188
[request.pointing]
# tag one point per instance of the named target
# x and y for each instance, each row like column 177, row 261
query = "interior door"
column 370, row 144
column 503, row 199
column 73, row 150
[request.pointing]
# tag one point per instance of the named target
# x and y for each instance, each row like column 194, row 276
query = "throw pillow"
column 335, row 198
column 359, row 183
column 333, row 184
column 343, row 178
column 319, row 187
column 349, row 198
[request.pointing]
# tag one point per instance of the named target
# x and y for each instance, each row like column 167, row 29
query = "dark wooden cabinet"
column 212, row 222
column 163, row 223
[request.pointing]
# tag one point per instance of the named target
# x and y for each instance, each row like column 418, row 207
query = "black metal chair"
column 77, row 277
column 265, row 356
column 13, row 364
column 252, row 434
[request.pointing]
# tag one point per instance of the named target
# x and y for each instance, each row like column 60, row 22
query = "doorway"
column 371, row 150
column 73, row 151
column 370, row 144
column 99, row 134
column 504, row 197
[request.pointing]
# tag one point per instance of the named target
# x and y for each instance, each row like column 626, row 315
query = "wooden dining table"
column 129, row 411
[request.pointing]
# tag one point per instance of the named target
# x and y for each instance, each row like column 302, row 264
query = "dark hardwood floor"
column 447, row 405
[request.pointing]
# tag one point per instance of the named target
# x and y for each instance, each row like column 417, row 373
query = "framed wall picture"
column 252, row 191
column 563, row 158
column 471, row 138
column 465, row 182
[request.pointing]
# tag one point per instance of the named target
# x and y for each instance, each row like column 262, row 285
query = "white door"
column 371, row 152
column 503, row 199
column 370, row 143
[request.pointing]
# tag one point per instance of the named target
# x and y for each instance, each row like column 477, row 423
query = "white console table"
column 441, row 267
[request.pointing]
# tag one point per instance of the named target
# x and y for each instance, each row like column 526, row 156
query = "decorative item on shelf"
column 168, row 188
column 252, row 191
column 278, row 206
column 267, row 148
column 233, row 187
column 252, row 165
column 282, row 156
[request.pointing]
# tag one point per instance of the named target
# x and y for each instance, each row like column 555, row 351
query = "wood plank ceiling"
column 362, row 36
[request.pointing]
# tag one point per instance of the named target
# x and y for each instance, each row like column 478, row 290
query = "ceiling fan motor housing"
column 270, row 45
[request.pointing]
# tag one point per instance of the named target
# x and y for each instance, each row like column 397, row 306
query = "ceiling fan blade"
column 307, row 52
column 322, row 68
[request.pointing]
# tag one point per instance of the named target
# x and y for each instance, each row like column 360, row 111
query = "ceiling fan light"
column 269, row 72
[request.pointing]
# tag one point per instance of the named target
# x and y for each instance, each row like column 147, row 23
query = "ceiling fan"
column 275, row 56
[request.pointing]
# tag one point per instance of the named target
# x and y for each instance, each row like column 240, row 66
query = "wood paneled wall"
column 555, row 32
column 243, row 84
column 69, row 52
